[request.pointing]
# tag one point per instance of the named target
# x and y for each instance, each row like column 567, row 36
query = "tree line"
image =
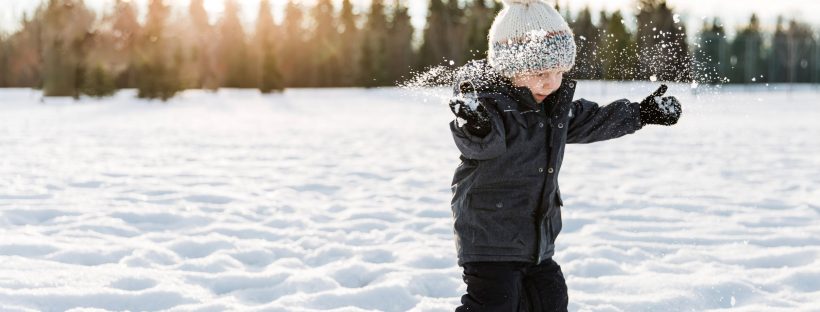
column 66, row 49
column 659, row 49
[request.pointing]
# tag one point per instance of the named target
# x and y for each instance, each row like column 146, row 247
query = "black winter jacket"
column 506, row 202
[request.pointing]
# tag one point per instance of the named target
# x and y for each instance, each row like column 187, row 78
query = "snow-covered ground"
column 339, row 200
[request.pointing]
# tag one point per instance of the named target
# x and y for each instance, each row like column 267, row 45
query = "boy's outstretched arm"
column 477, row 130
column 592, row 123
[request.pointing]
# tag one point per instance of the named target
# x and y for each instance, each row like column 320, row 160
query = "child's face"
column 541, row 84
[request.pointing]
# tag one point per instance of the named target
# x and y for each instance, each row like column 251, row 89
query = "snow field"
column 338, row 199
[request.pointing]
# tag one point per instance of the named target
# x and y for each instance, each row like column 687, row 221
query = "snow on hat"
column 528, row 36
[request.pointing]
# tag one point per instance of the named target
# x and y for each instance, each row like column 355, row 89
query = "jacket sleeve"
column 592, row 123
column 474, row 147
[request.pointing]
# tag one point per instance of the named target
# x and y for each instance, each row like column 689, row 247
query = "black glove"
column 476, row 121
column 659, row 110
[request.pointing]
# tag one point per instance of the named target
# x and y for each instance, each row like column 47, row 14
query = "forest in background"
column 66, row 49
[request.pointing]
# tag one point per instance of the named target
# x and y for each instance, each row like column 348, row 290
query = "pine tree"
column 98, row 82
column 586, row 42
column 800, row 49
column 374, row 45
column 778, row 53
column 103, row 57
column 66, row 33
column 747, row 49
column 434, row 50
column 4, row 68
column 350, row 38
column 24, row 53
column 713, row 61
column 618, row 50
column 126, row 31
column 324, row 46
column 600, row 44
column 293, row 46
column 153, row 36
column 204, row 49
column 271, row 78
column 400, row 43
column 664, row 51
column 157, row 75
column 455, row 33
column 479, row 20
column 233, row 48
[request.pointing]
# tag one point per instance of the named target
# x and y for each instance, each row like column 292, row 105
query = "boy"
column 514, row 115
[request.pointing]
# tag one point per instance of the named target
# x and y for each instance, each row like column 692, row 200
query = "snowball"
column 472, row 103
column 666, row 105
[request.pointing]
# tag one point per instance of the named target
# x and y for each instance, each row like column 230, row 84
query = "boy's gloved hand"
column 659, row 110
column 470, row 111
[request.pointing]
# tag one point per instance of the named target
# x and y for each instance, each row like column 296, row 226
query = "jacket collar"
column 561, row 96
column 526, row 102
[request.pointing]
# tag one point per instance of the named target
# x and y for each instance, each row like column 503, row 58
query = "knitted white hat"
column 530, row 35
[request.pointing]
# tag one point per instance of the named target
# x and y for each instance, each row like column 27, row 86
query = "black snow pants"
column 514, row 286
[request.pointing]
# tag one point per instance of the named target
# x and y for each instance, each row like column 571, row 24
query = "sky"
column 692, row 12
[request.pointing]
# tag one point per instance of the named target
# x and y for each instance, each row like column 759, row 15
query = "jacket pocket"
column 500, row 217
